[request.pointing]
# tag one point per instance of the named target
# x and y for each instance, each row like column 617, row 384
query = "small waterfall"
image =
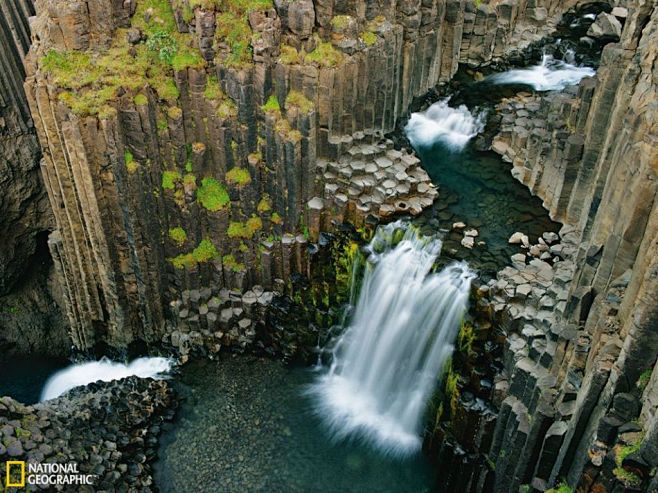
column 453, row 127
column 105, row 370
column 388, row 361
column 549, row 75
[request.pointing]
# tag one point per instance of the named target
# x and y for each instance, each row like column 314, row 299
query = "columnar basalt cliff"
column 185, row 143
column 194, row 153
column 581, row 404
column 29, row 318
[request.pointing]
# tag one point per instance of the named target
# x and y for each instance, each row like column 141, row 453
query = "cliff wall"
column 195, row 145
column 30, row 320
column 586, row 368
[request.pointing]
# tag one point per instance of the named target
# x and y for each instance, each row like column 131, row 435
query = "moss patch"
column 131, row 165
column 170, row 179
column 91, row 81
column 265, row 204
column 369, row 38
column 245, row 230
column 212, row 195
column 238, row 176
column 325, row 55
column 272, row 105
column 178, row 235
column 231, row 263
column 298, row 100
column 204, row 252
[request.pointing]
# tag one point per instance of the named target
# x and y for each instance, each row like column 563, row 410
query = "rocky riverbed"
column 247, row 425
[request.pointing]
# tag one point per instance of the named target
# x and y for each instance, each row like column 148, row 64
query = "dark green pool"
column 247, row 426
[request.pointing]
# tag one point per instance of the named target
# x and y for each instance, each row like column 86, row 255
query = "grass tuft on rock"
column 297, row 100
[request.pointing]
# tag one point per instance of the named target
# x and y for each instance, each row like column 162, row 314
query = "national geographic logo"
column 20, row 474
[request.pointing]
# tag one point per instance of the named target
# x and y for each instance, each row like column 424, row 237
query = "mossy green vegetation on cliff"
column 91, row 81
column 204, row 252
column 238, row 176
column 178, row 235
column 297, row 100
column 212, row 195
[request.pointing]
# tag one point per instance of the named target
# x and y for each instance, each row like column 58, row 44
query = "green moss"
column 164, row 44
column 290, row 56
column 466, row 338
column 451, row 389
column 238, row 176
column 189, row 180
column 178, row 235
column 213, row 90
column 369, row 38
column 264, row 205
column 340, row 22
column 325, row 55
column 627, row 477
column 204, row 252
column 131, row 165
column 644, row 379
column 23, row 434
column 276, row 218
column 233, row 35
column 188, row 166
column 170, row 178
column 272, row 105
column 245, row 230
column 91, row 81
column 141, row 100
column 232, row 264
column 212, row 195
column 187, row 58
column 174, row 112
column 623, row 451
column 298, row 100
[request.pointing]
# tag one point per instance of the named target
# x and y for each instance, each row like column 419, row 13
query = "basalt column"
column 198, row 147
column 30, row 320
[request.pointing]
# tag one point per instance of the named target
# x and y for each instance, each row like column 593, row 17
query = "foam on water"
column 387, row 362
column 453, row 127
column 105, row 370
column 549, row 75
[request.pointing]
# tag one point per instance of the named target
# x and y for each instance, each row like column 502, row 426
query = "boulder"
column 605, row 26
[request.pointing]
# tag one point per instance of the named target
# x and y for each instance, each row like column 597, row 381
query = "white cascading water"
column 105, row 370
column 549, row 75
column 388, row 361
column 453, row 127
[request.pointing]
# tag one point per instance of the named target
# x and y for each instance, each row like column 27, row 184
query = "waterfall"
column 387, row 362
column 105, row 370
column 453, row 127
column 549, row 75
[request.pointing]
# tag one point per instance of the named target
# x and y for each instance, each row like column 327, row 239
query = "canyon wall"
column 583, row 384
column 192, row 146
column 30, row 319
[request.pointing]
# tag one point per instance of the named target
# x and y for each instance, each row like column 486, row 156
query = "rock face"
column 30, row 320
column 109, row 429
column 190, row 161
column 582, row 362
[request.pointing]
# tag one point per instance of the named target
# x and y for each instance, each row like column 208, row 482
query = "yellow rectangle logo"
column 13, row 483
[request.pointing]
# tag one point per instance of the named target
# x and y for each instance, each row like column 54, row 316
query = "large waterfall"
column 387, row 362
